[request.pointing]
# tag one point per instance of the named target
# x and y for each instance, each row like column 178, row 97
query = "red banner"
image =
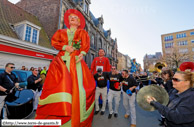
column 10, row 49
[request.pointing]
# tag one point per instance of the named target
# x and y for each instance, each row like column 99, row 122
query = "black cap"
column 99, row 70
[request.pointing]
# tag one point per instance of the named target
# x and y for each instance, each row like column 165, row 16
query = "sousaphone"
column 155, row 91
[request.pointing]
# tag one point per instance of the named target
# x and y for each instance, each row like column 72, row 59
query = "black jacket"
column 31, row 83
column 7, row 81
column 180, row 110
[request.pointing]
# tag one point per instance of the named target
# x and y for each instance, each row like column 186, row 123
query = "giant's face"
column 74, row 20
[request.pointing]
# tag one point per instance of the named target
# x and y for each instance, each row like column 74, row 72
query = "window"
column 28, row 33
column 169, row 45
column 85, row 7
column 182, row 35
column 92, row 41
column 168, row 38
column 31, row 34
column 34, row 36
column 92, row 57
column 180, row 43
column 192, row 41
column 192, row 33
column 193, row 49
column 185, row 50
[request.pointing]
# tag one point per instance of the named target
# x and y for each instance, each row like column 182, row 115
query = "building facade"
column 22, row 38
column 122, row 62
column 51, row 13
column 149, row 61
column 128, row 61
column 180, row 45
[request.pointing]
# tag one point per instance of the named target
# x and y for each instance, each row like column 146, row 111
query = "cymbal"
column 155, row 91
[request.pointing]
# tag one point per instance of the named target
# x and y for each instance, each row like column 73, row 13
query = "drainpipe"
column 61, row 2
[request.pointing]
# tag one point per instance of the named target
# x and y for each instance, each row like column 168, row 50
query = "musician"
column 100, row 62
column 7, row 81
column 34, row 83
column 101, row 89
column 114, row 93
column 155, row 79
column 143, row 79
column 129, row 83
column 180, row 110
column 167, row 77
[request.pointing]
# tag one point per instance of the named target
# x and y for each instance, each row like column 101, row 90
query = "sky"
column 139, row 24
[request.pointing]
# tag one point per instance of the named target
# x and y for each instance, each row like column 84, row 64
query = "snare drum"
column 22, row 107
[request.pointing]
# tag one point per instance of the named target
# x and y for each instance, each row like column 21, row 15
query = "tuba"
column 159, row 66
column 187, row 66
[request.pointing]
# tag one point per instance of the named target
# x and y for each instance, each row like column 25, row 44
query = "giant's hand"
column 69, row 49
column 80, row 58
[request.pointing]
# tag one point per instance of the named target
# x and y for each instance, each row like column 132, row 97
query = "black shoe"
column 115, row 115
column 109, row 116
column 161, row 122
column 96, row 112
column 102, row 113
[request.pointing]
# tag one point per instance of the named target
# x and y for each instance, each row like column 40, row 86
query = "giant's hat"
column 76, row 12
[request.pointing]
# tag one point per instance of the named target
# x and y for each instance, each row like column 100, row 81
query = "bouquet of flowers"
column 77, row 44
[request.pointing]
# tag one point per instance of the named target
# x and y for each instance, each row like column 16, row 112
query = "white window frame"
column 33, row 26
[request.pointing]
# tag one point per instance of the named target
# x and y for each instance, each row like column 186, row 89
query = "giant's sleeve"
column 57, row 41
column 85, row 42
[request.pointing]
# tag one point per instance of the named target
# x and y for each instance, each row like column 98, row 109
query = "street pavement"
column 144, row 118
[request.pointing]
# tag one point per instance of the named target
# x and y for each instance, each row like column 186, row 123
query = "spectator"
column 23, row 68
column 44, row 71
column 34, row 84
column 32, row 68
column 7, row 81
column 39, row 70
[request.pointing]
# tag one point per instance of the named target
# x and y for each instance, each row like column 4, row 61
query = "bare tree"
column 175, row 57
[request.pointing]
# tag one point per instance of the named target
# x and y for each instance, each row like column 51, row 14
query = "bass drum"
column 22, row 106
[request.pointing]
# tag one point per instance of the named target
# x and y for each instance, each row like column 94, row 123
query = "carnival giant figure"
column 134, row 66
column 69, row 89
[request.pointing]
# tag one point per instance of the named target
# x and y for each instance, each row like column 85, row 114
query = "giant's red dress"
column 69, row 89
